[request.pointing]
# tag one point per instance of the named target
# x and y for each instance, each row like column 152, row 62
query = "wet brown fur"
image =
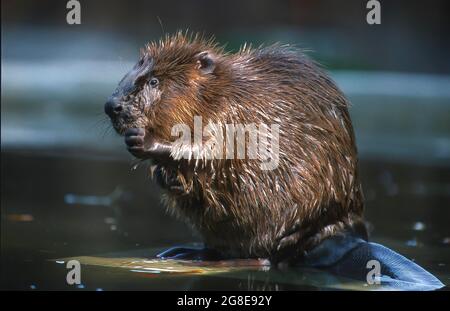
column 240, row 209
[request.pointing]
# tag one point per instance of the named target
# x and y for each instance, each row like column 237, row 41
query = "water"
column 56, row 204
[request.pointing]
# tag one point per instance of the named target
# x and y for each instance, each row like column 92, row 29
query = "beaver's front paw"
column 144, row 146
column 135, row 138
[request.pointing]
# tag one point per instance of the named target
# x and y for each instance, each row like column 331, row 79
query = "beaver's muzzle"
column 113, row 107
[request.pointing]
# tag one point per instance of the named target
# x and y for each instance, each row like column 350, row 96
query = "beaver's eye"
column 154, row 82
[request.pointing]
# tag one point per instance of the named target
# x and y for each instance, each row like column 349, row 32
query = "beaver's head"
column 166, row 86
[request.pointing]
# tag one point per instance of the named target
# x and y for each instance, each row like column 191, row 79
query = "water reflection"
column 75, row 203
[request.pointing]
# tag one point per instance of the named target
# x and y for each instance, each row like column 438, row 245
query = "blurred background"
column 68, row 185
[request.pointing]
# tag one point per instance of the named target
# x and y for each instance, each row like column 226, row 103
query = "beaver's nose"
column 113, row 107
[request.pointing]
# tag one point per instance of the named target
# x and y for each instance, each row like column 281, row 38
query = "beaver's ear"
column 206, row 62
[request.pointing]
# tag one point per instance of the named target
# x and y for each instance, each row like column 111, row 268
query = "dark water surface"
column 71, row 203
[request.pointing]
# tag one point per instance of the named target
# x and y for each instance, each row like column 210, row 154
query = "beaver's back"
column 315, row 191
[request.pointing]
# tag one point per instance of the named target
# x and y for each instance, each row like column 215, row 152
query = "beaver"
column 305, row 210
column 240, row 209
